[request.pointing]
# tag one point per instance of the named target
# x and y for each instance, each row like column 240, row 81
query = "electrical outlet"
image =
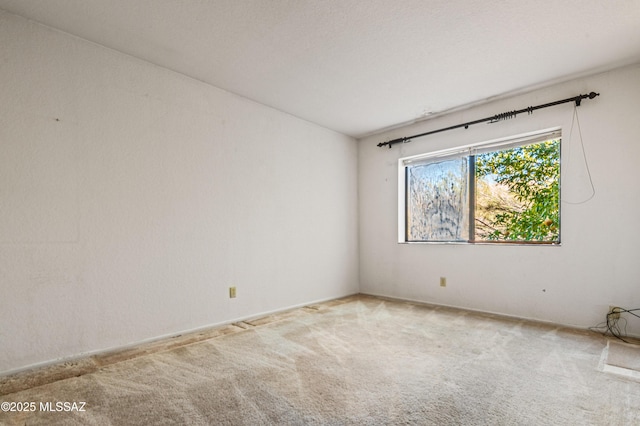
column 614, row 312
column 443, row 281
column 232, row 292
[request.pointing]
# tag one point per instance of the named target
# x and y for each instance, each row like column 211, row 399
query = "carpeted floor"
column 356, row 361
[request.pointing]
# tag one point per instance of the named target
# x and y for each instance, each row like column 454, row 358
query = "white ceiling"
column 359, row 66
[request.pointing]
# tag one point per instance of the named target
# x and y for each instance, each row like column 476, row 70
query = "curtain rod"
column 493, row 118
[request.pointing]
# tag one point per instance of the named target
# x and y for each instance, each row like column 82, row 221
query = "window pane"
column 518, row 193
column 437, row 201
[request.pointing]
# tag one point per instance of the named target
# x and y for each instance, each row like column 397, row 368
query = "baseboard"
column 483, row 312
column 59, row 369
column 44, row 373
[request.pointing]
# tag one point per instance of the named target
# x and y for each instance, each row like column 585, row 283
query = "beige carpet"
column 361, row 361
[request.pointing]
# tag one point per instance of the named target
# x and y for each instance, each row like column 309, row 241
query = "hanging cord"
column 574, row 120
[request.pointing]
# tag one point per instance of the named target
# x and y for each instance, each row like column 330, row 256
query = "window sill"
column 483, row 243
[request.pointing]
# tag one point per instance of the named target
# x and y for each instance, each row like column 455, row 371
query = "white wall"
column 132, row 197
column 598, row 263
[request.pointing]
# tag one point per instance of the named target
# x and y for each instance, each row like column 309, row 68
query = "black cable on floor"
column 613, row 320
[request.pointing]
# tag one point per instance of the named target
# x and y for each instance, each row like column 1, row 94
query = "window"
column 496, row 192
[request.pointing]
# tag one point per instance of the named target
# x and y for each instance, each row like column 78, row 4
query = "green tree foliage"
column 530, row 211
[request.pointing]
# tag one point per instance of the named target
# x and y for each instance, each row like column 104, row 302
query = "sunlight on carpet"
column 621, row 358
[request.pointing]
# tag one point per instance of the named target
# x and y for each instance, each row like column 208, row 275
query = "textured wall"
column 132, row 197
column 597, row 264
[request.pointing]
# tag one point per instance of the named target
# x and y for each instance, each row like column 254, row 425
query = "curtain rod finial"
column 591, row 95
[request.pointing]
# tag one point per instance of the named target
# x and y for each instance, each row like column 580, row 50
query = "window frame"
column 465, row 150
